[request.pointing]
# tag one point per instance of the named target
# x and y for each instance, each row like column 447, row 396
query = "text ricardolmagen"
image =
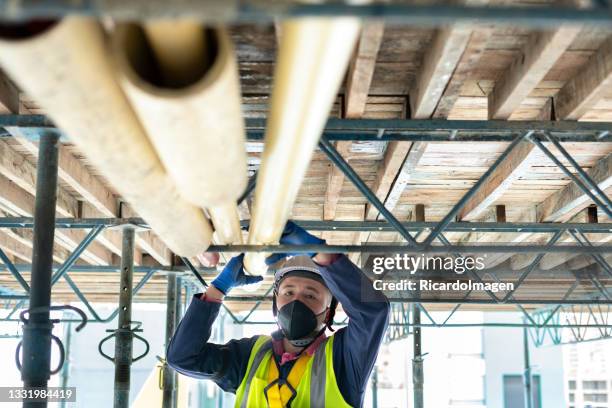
column 430, row 285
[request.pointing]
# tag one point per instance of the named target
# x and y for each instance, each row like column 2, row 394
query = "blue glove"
column 233, row 275
column 294, row 235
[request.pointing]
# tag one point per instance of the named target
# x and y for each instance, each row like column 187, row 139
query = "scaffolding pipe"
column 181, row 77
column 37, row 330
column 169, row 375
column 527, row 374
column 375, row 387
column 65, row 373
column 124, row 336
column 417, row 362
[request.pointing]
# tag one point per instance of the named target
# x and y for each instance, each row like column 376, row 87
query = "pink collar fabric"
column 279, row 348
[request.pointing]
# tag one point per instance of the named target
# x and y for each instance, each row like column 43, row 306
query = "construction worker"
column 297, row 366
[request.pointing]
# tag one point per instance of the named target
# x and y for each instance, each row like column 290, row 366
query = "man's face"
column 308, row 291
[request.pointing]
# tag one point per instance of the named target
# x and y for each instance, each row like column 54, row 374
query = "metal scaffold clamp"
column 131, row 331
column 27, row 325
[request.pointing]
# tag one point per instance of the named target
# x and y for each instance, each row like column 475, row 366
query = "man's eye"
column 288, row 293
column 310, row 297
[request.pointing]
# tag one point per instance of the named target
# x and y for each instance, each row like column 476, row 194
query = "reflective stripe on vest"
column 317, row 388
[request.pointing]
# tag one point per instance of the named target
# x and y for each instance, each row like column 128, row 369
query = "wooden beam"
column 21, row 172
column 583, row 261
column 335, row 182
column 515, row 165
column 388, row 169
column 15, row 199
column 72, row 172
column 398, row 165
column 417, row 149
column 15, row 167
column 589, row 86
column 25, row 237
column 9, row 95
column 465, row 68
column 565, row 203
column 495, row 259
column 439, row 62
column 99, row 201
column 15, row 248
column 361, row 69
column 538, row 56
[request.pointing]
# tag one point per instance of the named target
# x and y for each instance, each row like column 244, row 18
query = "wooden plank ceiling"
column 462, row 73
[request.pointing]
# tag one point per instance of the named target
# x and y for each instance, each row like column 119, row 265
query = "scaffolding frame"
column 37, row 126
column 254, row 11
column 405, row 320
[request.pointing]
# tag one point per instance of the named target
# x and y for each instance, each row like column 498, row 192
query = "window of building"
column 572, row 384
column 592, row 397
column 594, row 385
column 514, row 391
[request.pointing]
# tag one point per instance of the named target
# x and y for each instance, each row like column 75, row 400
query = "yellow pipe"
column 66, row 68
column 312, row 59
column 191, row 109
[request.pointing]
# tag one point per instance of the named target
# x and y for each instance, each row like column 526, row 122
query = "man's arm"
column 356, row 346
column 189, row 352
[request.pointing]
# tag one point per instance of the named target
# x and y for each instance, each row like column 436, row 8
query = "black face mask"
column 298, row 323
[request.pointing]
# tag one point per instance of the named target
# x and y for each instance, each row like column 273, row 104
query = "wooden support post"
column 537, row 58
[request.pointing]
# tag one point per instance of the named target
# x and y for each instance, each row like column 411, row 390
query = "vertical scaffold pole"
column 417, row 364
column 65, row 373
column 36, row 364
column 169, row 382
column 527, row 376
column 124, row 338
column 178, row 307
column 375, row 387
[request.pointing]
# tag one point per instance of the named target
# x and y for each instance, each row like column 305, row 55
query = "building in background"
column 588, row 373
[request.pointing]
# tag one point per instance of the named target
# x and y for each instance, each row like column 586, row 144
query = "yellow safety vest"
column 317, row 387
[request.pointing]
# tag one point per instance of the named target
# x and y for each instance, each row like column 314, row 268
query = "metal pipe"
column 37, row 331
column 76, row 253
column 421, row 249
column 338, row 226
column 533, row 265
column 194, row 271
column 177, row 319
column 169, row 375
column 265, row 12
column 447, row 325
column 65, row 373
column 249, row 189
column 408, row 130
column 375, row 387
column 11, row 267
column 575, row 179
column 124, row 335
column 527, row 373
column 583, row 175
column 417, row 362
column 463, row 201
column 348, row 171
